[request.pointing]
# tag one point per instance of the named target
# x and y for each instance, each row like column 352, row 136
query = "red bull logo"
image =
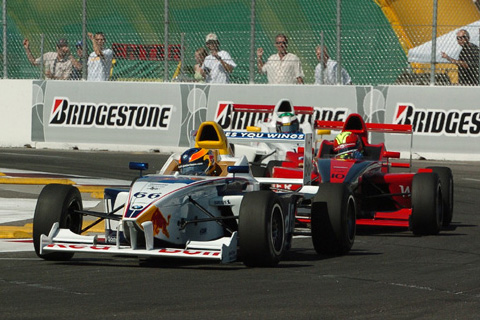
column 160, row 223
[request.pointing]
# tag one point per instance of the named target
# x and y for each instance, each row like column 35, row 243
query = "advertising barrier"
column 144, row 116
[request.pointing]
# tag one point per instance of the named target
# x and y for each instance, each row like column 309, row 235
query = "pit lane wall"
column 132, row 116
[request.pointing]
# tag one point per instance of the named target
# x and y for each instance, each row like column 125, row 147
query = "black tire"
column 446, row 182
column 427, row 204
column 261, row 229
column 56, row 203
column 333, row 219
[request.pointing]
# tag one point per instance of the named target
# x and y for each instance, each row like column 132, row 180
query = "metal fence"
column 375, row 41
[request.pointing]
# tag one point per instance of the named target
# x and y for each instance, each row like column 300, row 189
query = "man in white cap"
column 218, row 64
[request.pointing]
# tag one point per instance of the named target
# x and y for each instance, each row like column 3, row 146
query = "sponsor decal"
column 160, row 223
column 222, row 202
column 87, row 115
column 78, row 246
column 404, row 189
column 240, row 120
column 436, row 122
column 265, row 135
column 189, row 252
column 286, row 186
column 163, row 251
column 158, row 186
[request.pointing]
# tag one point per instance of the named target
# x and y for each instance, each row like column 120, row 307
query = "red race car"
column 355, row 176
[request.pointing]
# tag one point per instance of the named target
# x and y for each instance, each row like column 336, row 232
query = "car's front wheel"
column 261, row 229
column 56, row 203
column 427, row 204
column 446, row 182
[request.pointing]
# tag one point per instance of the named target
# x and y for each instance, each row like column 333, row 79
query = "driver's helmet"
column 287, row 123
column 197, row 162
column 348, row 145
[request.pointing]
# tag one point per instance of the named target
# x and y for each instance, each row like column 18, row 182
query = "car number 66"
column 148, row 195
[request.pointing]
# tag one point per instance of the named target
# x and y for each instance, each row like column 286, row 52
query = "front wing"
column 223, row 250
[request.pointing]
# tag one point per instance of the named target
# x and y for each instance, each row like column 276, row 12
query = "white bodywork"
column 267, row 149
column 162, row 212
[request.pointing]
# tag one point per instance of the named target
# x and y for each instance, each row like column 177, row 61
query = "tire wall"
column 143, row 116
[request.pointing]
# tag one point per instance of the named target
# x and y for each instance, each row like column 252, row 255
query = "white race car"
column 282, row 118
column 187, row 216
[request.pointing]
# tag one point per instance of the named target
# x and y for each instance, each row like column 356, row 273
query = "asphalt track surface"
column 389, row 274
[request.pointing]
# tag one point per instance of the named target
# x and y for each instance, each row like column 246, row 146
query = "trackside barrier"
column 136, row 116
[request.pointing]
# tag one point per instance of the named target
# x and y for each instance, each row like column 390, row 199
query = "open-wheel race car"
column 352, row 168
column 280, row 118
column 223, row 214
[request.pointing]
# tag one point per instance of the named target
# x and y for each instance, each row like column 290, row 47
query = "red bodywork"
column 383, row 198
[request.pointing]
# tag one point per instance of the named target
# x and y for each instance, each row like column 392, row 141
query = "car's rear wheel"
column 446, row 182
column 427, row 204
column 333, row 219
column 261, row 229
column 56, row 203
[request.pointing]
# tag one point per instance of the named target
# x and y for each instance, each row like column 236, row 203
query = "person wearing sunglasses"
column 467, row 61
column 282, row 67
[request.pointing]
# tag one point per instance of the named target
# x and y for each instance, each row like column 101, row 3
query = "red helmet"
column 196, row 161
column 348, row 145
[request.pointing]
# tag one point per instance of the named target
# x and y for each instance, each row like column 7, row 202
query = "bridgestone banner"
column 445, row 120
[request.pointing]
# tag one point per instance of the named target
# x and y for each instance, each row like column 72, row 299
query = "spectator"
column 218, row 64
column 467, row 62
column 200, row 55
column 282, row 67
column 326, row 70
column 77, row 63
column 100, row 60
column 58, row 65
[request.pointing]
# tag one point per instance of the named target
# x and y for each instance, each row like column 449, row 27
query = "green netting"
column 370, row 48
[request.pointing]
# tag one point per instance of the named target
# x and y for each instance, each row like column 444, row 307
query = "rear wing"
column 304, row 139
column 267, row 108
column 372, row 127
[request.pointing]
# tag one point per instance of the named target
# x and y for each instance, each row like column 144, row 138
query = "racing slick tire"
column 427, row 204
column 333, row 219
column 446, row 181
column 261, row 229
column 56, row 203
